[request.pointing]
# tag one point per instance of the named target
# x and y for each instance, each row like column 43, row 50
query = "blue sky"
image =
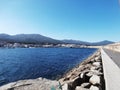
column 87, row 20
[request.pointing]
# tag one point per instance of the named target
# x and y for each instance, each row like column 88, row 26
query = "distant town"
column 21, row 45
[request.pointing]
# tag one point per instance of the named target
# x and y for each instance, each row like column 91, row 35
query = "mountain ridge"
column 104, row 42
column 28, row 38
column 40, row 39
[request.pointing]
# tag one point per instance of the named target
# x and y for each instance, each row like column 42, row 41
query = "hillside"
column 105, row 42
column 28, row 38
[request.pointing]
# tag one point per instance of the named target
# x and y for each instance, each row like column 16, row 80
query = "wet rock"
column 95, row 80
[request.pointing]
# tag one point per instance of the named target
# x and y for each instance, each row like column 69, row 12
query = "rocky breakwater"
column 86, row 76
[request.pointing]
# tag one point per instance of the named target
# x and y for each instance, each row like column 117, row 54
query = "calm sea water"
column 50, row 63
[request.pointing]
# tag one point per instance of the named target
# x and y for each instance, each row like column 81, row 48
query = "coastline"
column 67, row 81
column 88, row 75
column 78, row 65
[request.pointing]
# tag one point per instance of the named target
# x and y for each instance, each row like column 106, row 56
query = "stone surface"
column 95, row 80
column 86, row 85
column 96, row 72
column 97, row 63
column 95, row 88
column 81, row 88
column 97, row 58
column 33, row 84
column 88, row 73
column 65, row 87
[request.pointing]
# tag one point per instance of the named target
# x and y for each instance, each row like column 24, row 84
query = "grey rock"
column 89, row 74
column 95, row 88
column 80, row 88
column 95, row 68
column 86, row 85
column 65, row 87
column 96, row 72
column 97, row 64
column 95, row 80
column 97, row 58
column 32, row 84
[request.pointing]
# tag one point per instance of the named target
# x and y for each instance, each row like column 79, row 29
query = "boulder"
column 89, row 74
column 94, row 68
column 84, row 77
column 65, row 87
column 98, row 53
column 97, row 58
column 95, row 80
column 86, row 85
column 94, row 72
column 95, row 88
column 97, row 64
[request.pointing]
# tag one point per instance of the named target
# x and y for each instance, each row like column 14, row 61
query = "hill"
column 105, row 42
column 28, row 38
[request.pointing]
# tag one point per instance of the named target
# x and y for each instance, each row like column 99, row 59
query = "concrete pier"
column 111, row 69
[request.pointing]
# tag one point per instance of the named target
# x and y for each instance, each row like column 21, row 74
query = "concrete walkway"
column 115, row 56
column 111, row 69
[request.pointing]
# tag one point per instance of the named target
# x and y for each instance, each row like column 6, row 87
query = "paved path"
column 115, row 56
column 111, row 69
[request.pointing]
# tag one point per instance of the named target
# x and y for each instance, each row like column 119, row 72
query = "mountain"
column 40, row 39
column 75, row 41
column 28, row 38
column 105, row 42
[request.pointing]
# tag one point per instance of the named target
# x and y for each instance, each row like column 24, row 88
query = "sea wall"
column 86, row 76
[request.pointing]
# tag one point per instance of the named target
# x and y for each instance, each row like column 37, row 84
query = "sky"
column 86, row 20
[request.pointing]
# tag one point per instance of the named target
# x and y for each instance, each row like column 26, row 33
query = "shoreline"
column 68, row 80
column 76, row 66
column 79, row 64
column 87, row 75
